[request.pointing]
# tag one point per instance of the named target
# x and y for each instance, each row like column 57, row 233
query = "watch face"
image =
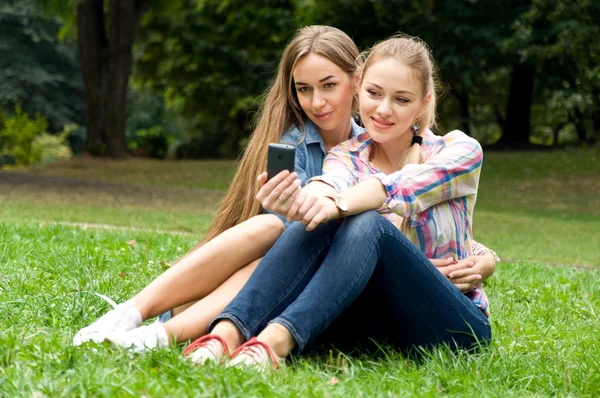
column 339, row 202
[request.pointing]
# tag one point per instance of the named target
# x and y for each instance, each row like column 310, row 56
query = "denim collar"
column 314, row 137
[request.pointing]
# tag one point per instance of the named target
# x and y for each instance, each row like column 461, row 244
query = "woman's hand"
column 279, row 192
column 317, row 210
column 464, row 274
column 484, row 265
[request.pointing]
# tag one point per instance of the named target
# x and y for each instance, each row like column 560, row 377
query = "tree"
column 558, row 39
column 38, row 72
column 105, row 34
column 212, row 59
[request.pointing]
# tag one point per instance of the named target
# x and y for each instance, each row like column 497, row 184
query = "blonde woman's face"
column 390, row 100
column 325, row 94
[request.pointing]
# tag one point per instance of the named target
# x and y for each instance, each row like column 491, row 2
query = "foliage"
column 18, row 134
column 221, row 56
column 211, row 60
column 152, row 142
column 38, row 71
column 48, row 148
column 29, row 142
column 561, row 40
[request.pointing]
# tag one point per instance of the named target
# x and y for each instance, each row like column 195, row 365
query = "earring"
column 417, row 139
column 415, row 128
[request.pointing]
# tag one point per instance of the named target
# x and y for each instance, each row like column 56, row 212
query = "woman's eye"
column 303, row 89
column 329, row 85
column 402, row 100
column 373, row 93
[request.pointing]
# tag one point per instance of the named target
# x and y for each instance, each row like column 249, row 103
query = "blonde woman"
column 346, row 254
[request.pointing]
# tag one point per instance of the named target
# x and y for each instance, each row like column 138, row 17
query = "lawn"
column 544, row 296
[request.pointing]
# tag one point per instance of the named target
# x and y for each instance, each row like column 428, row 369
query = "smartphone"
column 280, row 157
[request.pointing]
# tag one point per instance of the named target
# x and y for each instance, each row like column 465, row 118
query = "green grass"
column 176, row 220
column 539, row 211
column 544, row 321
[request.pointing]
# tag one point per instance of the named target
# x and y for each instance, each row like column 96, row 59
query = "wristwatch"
column 340, row 204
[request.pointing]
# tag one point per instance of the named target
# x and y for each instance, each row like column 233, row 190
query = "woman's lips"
column 381, row 124
column 323, row 116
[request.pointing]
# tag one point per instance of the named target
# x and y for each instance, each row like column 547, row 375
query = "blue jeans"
column 309, row 278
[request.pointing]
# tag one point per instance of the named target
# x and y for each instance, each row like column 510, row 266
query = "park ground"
column 89, row 226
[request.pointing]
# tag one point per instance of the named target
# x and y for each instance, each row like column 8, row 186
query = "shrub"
column 18, row 135
column 52, row 148
column 152, row 142
column 26, row 141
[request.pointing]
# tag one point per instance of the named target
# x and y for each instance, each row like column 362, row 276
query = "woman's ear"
column 426, row 101
column 356, row 81
column 424, row 105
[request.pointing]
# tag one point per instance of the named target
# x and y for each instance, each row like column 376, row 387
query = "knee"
column 368, row 222
column 267, row 224
column 274, row 223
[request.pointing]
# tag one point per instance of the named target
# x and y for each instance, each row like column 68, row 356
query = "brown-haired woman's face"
column 390, row 100
column 325, row 93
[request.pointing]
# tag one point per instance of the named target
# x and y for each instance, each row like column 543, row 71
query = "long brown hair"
column 414, row 53
column 279, row 110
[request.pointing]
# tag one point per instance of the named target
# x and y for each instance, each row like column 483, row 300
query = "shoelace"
column 107, row 299
column 252, row 348
column 203, row 342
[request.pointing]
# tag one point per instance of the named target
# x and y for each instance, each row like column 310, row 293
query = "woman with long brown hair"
column 316, row 73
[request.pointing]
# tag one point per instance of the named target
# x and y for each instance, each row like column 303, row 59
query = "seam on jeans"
column 474, row 311
column 292, row 286
column 285, row 323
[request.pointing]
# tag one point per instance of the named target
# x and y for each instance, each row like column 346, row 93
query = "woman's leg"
column 201, row 272
column 192, row 278
column 281, row 276
column 413, row 304
column 193, row 322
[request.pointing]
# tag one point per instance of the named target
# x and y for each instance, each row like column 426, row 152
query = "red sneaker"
column 209, row 348
column 256, row 354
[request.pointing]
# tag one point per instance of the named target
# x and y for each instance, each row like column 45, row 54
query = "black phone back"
column 281, row 157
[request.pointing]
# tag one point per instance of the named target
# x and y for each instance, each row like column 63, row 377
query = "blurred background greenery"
column 182, row 78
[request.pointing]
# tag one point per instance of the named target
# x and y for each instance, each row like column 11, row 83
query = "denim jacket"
column 310, row 151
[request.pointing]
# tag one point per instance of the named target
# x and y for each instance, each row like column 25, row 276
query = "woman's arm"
column 473, row 270
column 452, row 172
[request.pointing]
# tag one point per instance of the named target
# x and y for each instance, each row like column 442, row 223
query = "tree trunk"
column 93, row 56
column 106, row 62
column 577, row 119
column 517, row 125
column 596, row 118
column 463, row 102
column 465, row 114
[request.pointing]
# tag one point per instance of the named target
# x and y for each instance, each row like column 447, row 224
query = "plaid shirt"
column 438, row 195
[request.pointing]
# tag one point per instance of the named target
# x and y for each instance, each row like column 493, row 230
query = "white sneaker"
column 209, row 348
column 122, row 318
column 256, row 354
column 147, row 337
